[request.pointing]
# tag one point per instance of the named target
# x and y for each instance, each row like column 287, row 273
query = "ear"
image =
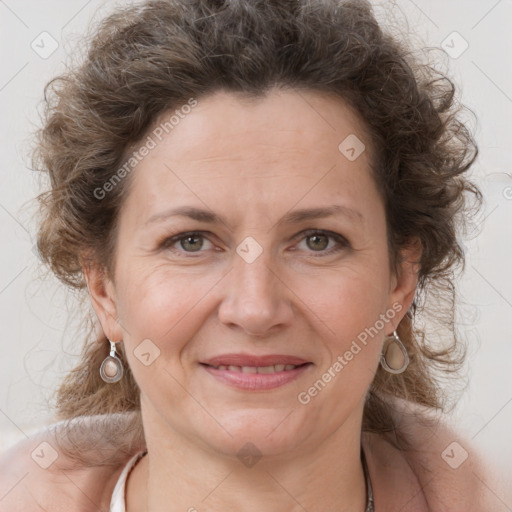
column 405, row 280
column 103, row 299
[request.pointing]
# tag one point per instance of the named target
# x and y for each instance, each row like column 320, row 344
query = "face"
column 249, row 239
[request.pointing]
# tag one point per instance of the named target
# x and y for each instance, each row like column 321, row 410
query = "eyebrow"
column 292, row 217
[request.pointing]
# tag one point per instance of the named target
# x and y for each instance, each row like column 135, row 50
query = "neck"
column 179, row 475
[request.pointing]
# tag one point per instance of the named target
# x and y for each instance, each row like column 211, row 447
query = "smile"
column 256, row 378
column 257, row 369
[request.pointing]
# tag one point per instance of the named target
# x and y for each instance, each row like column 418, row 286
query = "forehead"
column 226, row 121
column 232, row 149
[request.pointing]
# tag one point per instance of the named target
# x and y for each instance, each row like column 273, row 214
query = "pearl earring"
column 111, row 369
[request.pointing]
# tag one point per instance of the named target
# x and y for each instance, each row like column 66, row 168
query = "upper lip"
column 250, row 360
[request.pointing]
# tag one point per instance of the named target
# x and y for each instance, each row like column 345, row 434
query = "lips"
column 244, row 360
column 257, row 369
column 255, row 373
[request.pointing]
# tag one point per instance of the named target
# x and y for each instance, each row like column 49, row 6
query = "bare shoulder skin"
column 80, row 478
column 416, row 480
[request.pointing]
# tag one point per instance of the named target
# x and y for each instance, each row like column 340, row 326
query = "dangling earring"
column 111, row 369
column 394, row 357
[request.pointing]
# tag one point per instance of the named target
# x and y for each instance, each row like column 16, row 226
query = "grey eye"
column 192, row 243
column 317, row 242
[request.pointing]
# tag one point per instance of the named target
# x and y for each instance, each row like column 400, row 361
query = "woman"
column 257, row 197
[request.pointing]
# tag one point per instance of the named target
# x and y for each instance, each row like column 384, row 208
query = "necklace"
column 370, row 507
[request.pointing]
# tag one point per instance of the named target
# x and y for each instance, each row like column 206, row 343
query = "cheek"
column 161, row 304
column 349, row 305
column 348, row 301
column 353, row 346
column 158, row 313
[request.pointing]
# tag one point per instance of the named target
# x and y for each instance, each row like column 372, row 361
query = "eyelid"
column 342, row 242
column 169, row 241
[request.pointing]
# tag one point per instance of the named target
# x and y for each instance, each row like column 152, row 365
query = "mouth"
column 258, row 369
column 251, row 373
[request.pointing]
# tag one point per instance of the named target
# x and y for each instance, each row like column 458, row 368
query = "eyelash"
column 339, row 239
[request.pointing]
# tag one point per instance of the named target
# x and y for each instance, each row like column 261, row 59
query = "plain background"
column 40, row 335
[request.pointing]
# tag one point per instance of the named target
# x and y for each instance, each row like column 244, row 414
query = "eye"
column 323, row 242
column 316, row 241
column 186, row 242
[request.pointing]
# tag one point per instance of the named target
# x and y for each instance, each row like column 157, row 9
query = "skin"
column 251, row 163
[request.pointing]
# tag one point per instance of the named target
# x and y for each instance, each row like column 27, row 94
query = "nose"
column 256, row 298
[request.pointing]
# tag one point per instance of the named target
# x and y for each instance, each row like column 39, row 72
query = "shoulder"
column 450, row 474
column 66, row 466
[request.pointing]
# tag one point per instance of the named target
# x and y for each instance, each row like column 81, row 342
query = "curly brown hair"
column 148, row 59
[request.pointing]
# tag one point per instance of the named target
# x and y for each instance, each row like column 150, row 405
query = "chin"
column 270, row 431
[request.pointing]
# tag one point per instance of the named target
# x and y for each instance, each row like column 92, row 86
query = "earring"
column 394, row 357
column 111, row 369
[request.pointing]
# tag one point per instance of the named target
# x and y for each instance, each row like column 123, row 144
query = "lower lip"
column 256, row 381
